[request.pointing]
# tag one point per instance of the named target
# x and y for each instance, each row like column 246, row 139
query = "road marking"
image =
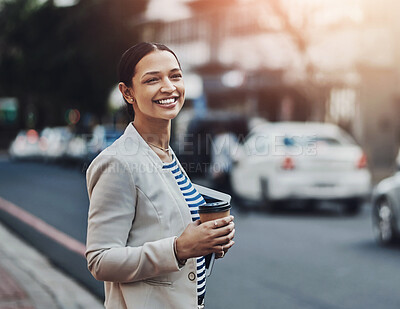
column 42, row 227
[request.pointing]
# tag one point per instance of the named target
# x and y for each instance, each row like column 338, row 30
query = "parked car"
column 54, row 143
column 102, row 137
column 286, row 161
column 386, row 208
column 26, row 145
column 77, row 149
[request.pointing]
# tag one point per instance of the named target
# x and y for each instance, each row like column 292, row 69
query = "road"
column 318, row 260
column 291, row 259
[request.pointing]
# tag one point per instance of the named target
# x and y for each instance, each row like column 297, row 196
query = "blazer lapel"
column 166, row 176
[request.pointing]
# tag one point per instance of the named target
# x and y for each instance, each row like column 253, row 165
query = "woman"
column 144, row 238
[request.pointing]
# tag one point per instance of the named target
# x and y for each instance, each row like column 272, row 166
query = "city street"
column 287, row 260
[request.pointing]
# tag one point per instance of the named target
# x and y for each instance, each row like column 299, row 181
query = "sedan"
column 386, row 208
column 26, row 145
column 301, row 161
column 54, row 143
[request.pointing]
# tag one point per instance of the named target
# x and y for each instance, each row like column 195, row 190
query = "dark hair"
column 129, row 60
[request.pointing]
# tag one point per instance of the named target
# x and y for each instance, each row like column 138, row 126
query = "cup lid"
column 219, row 206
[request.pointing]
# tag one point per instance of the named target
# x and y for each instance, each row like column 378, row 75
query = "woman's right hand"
column 202, row 239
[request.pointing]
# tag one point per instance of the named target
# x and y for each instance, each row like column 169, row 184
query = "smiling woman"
column 132, row 69
column 145, row 240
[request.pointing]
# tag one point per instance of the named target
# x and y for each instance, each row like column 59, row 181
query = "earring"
column 131, row 99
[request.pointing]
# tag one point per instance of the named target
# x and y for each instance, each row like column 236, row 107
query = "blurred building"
column 228, row 43
column 378, row 96
column 327, row 60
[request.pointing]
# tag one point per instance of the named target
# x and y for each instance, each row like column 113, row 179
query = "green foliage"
column 58, row 58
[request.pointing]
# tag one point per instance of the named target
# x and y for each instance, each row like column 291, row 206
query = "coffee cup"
column 214, row 210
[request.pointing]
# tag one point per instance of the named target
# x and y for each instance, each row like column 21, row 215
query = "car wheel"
column 266, row 203
column 352, row 206
column 384, row 222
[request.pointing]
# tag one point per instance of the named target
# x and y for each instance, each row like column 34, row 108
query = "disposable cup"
column 214, row 210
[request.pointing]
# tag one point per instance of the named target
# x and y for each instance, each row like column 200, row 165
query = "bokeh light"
column 72, row 116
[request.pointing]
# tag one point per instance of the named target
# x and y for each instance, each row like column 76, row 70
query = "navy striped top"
column 194, row 199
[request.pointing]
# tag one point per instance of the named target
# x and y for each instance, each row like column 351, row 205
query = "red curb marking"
column 44, row 228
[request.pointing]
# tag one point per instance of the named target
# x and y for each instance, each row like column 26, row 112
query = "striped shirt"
column 194, row 199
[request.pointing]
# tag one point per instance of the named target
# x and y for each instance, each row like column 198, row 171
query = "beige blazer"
column 136, row 211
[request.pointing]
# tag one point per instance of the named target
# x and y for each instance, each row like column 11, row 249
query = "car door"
column 253, row 164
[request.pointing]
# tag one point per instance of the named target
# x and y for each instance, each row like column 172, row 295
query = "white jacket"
column 136, row 211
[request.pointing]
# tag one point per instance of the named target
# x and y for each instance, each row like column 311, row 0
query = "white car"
column 54, row 142
column 25, row 146
column 301, row 161
column 77, row 149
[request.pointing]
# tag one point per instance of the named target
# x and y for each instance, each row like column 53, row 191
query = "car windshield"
column 273, row 139
column 307, row 138
column 302, row 140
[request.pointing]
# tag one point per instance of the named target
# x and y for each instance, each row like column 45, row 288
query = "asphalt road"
column 288, row 260
column 318, row 260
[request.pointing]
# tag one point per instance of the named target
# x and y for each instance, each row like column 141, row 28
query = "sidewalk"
column 29, row 281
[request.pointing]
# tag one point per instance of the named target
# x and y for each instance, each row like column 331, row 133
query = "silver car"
column 386, row 208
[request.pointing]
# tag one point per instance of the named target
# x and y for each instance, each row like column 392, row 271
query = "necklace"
column 163, row 149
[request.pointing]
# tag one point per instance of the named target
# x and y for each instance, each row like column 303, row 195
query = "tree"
column 299, row 30
column 55, row 58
